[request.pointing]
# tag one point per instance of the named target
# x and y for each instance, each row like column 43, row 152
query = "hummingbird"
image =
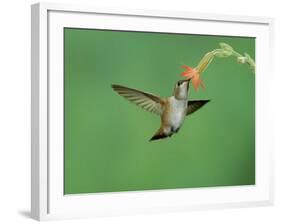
column 172, row 110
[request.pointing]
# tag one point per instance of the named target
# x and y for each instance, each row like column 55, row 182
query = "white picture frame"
column 48, row 201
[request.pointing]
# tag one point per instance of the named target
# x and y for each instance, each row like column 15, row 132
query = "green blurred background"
column 107, row 144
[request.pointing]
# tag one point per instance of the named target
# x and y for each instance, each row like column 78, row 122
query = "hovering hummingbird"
column 172, row 110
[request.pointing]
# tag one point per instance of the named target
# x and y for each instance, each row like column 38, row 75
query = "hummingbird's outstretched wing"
column 145, row 100
column 194, row 105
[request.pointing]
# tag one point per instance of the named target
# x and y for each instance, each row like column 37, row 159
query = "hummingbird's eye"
column 178, row 83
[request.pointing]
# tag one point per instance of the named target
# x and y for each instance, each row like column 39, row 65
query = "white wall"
column 15, row 110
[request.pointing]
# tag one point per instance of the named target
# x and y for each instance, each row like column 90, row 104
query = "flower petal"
column 202, row 84
column 194, row 75
column 196, row 82
column 189, row 71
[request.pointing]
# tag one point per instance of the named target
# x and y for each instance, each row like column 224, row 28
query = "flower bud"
column 226, row 47
column 222, row 53
column 241, row 60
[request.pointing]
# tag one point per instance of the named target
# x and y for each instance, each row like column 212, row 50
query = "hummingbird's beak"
column 187, row 80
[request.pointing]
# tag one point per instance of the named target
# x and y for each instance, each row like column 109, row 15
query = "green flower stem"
column 224, row 52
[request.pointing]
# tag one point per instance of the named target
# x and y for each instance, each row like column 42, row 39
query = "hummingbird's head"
column 181, row 89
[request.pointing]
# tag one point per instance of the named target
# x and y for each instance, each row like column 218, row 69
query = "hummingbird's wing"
column 145, row 100
column 194, row 105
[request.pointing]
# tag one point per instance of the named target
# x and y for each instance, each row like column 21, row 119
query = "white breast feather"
column 178, row 112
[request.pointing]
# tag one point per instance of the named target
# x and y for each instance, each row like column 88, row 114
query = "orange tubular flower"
column 194, row 75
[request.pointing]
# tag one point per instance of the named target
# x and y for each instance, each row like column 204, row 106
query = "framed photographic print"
column 146, row 111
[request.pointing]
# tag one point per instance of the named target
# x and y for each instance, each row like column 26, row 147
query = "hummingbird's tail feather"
column 159, row 135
